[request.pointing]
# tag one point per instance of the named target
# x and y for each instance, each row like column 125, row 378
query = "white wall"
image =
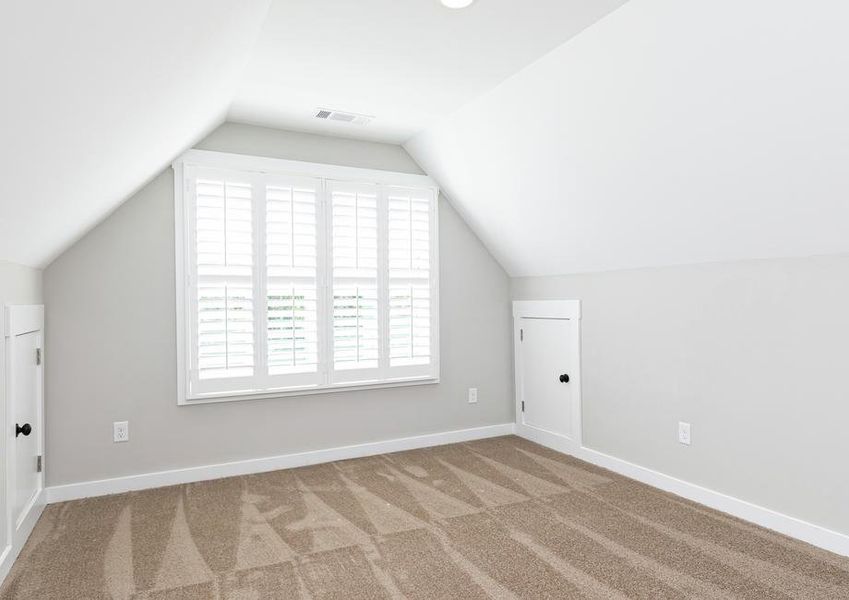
column 111, row 342
column 754, row 354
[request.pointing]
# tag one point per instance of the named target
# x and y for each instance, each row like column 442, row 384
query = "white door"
column 548, row 373
column 24, row 384
column 546, row 359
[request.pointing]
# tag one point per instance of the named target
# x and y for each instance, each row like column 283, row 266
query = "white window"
column 296, row 277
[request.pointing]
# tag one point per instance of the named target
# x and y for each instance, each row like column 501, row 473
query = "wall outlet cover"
column 121, row 431
column 684, row 433
column 473, row 395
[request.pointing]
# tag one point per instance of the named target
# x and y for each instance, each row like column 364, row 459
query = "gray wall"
column 755, row 354
column 111, row 342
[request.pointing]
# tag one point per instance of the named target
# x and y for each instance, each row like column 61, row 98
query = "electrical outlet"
column 121, row 431
column 684, row 433
column 473, row 395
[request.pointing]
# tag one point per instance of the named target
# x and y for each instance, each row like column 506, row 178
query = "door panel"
column 25, row 400
column 546, row 354
column 25, row 410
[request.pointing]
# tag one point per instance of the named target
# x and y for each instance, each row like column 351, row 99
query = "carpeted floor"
column 499, row 518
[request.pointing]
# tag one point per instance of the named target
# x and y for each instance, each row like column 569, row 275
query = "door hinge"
column 39, row 463
column 521, row 335
column 38, row 356
column 523, row 406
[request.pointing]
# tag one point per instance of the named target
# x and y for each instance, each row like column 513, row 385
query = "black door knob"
column 564, row 378
column 26, row 429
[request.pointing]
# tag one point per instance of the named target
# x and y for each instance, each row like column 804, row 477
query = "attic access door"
column 24, row 417
column 548, row 378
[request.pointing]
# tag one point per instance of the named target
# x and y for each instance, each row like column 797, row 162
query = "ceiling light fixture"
column 456, row 3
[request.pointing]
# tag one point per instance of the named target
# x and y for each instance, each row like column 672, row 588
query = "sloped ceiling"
column 98, row 96
column 405, row 62
column 670, row 132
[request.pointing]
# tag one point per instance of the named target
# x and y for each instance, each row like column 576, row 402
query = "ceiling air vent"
column 342, row 116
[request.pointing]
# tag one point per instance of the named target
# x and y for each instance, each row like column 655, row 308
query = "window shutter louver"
column 225, row 299
column 409, row 276
column 292, row 290
column 354, row 241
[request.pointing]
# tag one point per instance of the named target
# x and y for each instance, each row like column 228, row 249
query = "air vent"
column 342, row 116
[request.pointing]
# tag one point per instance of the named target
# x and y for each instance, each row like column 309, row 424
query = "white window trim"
column 288, row 168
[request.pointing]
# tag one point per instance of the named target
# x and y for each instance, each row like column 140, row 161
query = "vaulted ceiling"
column 671, row 132
column 407, row 63
column 100, row 95
column 97, row 97
column 573, row 135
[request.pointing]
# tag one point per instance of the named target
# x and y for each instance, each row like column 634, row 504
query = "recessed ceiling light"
column 456, row 3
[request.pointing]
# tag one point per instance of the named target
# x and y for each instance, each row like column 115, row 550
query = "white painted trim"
column 181, row 254
column 23, row 318
column 549, row 439
column 89, row 489
column 815, row 535
column 279, row 166
column 765, row 517
column 547, row 309
column 306, row 391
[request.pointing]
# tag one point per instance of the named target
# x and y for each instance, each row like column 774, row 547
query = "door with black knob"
column 547, row 370
column 24, row 344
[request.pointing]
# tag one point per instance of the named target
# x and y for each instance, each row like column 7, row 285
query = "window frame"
column 257, row 168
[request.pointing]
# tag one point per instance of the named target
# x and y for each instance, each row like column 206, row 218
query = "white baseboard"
column 103, row 487
column 765, row 517
column 548, row 439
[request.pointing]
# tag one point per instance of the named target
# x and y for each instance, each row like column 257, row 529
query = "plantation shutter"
column 354, row 281
column 294, row 280
column 224, row 291
column 291, row 285
column 409, row 233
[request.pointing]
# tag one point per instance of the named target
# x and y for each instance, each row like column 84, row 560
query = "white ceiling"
column 671, row 132
column 98, row 96
column 405, row 62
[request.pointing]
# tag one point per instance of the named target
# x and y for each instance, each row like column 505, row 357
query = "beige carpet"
column 499, row 518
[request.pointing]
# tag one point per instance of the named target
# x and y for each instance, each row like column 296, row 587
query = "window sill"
column 310, row 391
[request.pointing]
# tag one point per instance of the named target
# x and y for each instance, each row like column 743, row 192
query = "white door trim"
column 550, row 309
column 19, row 320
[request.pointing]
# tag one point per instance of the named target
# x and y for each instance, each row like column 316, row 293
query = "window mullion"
column 260, row 284
column 383, row 281
column 190, row 314
column 433, row 245
column 324, row 262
